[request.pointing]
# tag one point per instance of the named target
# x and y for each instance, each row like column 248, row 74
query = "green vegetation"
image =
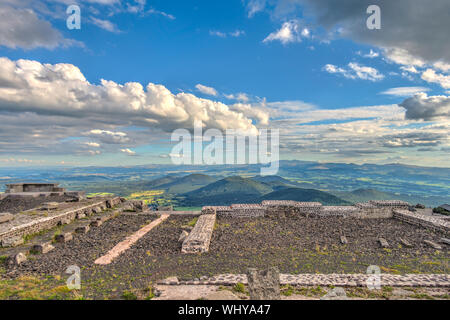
column 239, row 287
column 441, row 211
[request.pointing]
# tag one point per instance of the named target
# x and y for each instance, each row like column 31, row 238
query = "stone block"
column 405, row 243
column 82, row 229
column 81, row 215
column 383, row 243
column 264, row 284
column 445, row 240
column 5, row 217
column 12, row 242
column 433, row 244
column 64, row 237
column 17, row 259
column 42, row 248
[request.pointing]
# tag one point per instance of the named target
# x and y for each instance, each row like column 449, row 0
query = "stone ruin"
column 34, row 189
column 291, row 209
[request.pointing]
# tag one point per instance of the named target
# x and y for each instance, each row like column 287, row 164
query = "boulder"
column 50, row 206
column 264, row 284
column 420, row 206
column 96, row 223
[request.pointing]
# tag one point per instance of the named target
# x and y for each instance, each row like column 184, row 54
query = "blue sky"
column 313, row 71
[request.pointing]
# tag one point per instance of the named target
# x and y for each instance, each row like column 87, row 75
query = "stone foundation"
column 424, row 221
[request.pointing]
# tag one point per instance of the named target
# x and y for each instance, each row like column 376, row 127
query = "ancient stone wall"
column 421, row 220
column 50, row 222
column 200, row 237
column 291, row 209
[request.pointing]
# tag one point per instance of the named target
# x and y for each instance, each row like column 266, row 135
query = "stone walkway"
column 129, row 241
column 350, row 280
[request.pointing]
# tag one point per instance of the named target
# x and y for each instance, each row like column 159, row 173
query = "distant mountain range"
column 346, row 181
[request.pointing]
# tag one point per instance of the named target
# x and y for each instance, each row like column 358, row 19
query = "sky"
column 112, row 92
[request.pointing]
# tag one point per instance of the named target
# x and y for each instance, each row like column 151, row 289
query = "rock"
column 264, row 284
column 81, row 215
column 420, row 206
column 171, row 281
column 222, row 295
column 5, row 217
column 50, row 206
column 183, row 236
column 96, row 223
column 65, row 237
column 335, row 294
column 12, row 242
column 42, row 248
column 405, row 243
column 445, row 240
column 383, row 243
column 344, row 240
column 17, row 259
column 433, row 244
column 412, row 209
column 82, row 229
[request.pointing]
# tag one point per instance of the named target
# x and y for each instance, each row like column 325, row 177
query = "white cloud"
column 128, row 152
column 403, row 57
column 442, row 66
column 109, row 137
column 255, row 6
column 405, row 91
column 372, row 54
column 430, row 75
column 290, row 31
column 410, row 69
column 61, row 89
column 206, row 90
column 221, row 34
column 92, row 144
column 355, row 71
column 105, row 25
column 162, row 13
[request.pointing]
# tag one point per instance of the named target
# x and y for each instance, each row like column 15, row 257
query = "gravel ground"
column 15, row 205
column 301, row 245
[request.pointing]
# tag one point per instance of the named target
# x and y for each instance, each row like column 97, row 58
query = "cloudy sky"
column 112, row 92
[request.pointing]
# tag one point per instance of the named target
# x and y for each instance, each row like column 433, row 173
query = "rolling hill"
column 177, row 185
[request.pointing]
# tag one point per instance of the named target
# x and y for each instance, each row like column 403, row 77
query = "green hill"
column 298, row 194
column 227, row 191
column 187, row 183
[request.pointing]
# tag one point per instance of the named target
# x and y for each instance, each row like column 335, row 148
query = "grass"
column 34, row 288
column 128, row 295
column 239, row 287
column 192, row 222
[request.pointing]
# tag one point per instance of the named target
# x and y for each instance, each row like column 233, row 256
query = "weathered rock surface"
column 433, row 244
column 65, row 237
column 264, row 284
column 42, row 247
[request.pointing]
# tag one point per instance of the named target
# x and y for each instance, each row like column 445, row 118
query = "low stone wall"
column 428, row 222
column 344, row 280
column 291, row 209
column 200, row 237
column 46, row 223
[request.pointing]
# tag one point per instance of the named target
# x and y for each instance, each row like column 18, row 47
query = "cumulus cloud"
column 404, row 91
column 206, row 90
column 430, row 75
column 21, row 28
column 290, row 31
column 422, row 106
column 61, row 89
column 355, row 71
column 109, row 137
